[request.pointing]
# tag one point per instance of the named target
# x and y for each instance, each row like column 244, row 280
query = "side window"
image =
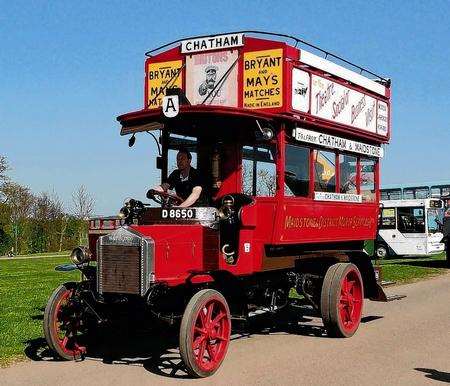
column 296, row 177
column 258, row 171
column 347, row 174
column 411, row 220
column 324, row 171
column 367, row 187
column 408, row 194
column 387, row 218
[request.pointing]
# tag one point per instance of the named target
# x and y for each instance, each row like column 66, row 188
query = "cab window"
column 258, row 170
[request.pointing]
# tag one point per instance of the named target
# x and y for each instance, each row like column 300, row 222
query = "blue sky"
column 67, row 69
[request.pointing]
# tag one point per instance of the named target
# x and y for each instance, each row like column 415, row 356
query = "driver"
column 185, row 179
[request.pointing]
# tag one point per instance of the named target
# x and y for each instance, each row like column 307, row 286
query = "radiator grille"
column 125, row 262
column 120, row 269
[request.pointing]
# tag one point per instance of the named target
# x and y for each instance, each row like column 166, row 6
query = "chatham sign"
column 334, row 142
column 208, row 43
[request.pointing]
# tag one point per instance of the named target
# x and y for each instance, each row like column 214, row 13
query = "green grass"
column 25, row 286
column 413, row 269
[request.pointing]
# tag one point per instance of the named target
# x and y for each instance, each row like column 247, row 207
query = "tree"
column 46, row 223
column 83, row 203
column 83, row 208
column 19, row 201
column 3, row 168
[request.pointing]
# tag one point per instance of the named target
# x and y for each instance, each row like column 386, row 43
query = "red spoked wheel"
column 342, row 300
column 63, row 323
column 205, row 333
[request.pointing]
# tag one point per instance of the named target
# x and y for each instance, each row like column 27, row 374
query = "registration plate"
column 178, row 213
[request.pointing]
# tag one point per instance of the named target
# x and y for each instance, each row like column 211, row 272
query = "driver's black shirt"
column 184, row 187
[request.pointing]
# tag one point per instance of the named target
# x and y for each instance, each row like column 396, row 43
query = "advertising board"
column 160, row 76
column 211, row 78
column 263, row 79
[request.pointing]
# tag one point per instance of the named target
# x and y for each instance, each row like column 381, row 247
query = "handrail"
column 297, row 41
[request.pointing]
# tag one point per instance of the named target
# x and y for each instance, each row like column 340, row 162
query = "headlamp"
column 80, row 255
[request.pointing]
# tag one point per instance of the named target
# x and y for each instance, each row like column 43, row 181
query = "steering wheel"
column 166, row 200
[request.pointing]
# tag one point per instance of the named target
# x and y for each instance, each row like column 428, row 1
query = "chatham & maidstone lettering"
column 337, row 142
column 321, row 222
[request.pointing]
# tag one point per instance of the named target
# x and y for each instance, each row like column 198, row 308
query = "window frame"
column 337, row 153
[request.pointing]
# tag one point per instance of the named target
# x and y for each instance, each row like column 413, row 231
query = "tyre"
column 205, row 333
column 63, row 323
column 341, row 300
column 381, row 251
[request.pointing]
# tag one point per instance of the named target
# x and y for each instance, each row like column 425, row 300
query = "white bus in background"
column 410, row 227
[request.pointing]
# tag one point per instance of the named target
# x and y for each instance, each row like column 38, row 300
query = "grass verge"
column 412, row 269
column 25, row 286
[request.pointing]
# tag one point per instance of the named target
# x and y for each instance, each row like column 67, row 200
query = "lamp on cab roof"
column 131, row 141
column 267, row 132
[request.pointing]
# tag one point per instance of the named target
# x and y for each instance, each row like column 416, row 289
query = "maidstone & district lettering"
column 328, row 222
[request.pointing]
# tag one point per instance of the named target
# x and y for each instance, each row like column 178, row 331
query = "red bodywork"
column 183, row 251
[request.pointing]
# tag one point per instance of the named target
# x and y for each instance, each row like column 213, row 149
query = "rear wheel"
column 63, row 323
column 205, row 333
column 342, row 300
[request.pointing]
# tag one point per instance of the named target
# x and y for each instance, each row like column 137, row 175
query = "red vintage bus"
column 288, row 145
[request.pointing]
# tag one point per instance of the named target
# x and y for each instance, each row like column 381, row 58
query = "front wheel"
column 381, row 251
column 205, row 333
column 63, row 323
column 342, row 300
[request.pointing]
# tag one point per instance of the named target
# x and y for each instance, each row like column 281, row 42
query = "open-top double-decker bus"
column 287, row 144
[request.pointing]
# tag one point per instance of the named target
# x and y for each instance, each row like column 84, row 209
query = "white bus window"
column 367, row 187
column 296, row 176
column 347, row 174
column 435, row 192
column 411, row 220
column 324, row 171
column 435, row 219
column 387, row 218
column 408, row 194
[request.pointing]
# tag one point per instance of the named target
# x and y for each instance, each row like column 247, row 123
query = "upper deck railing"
column 297, row 41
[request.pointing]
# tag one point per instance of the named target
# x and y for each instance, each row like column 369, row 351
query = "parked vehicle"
column 410, row 227
column 288, row 145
